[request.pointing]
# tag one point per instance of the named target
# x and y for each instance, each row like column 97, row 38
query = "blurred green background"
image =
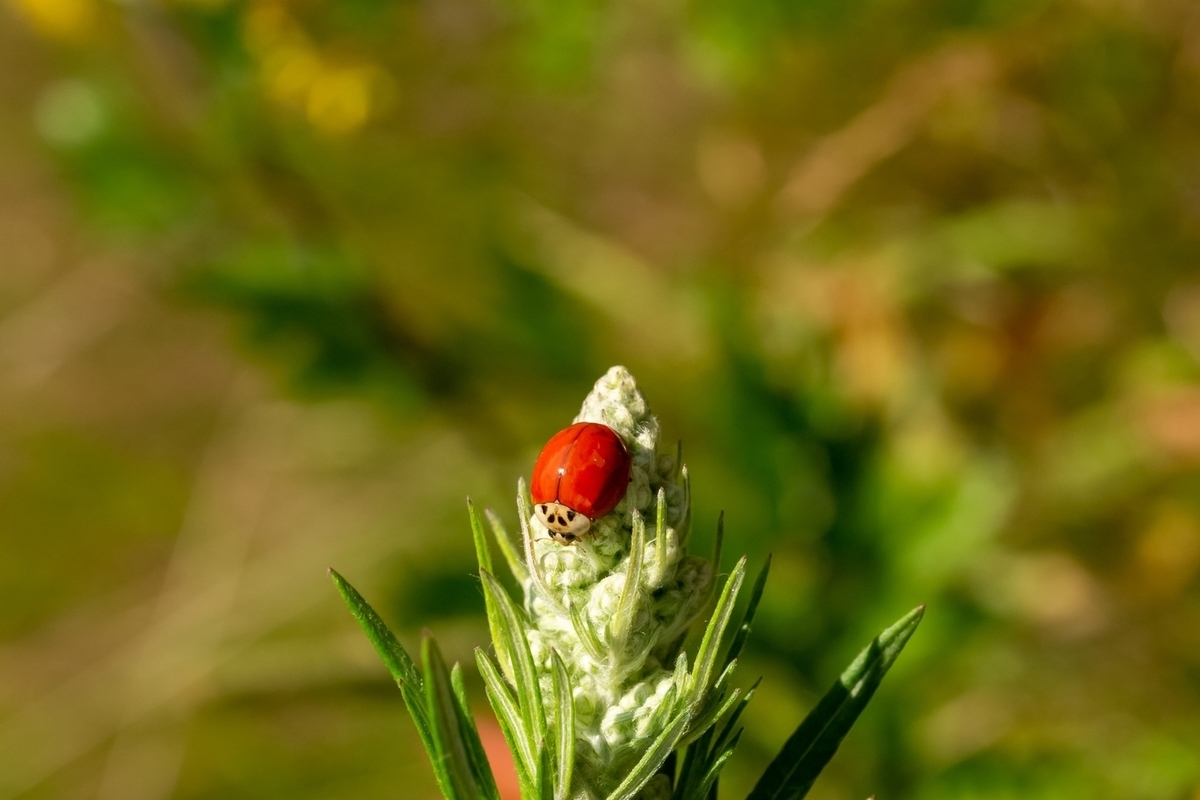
column 917, row 284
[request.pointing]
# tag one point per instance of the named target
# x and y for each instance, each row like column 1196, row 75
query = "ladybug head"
column 566, row 525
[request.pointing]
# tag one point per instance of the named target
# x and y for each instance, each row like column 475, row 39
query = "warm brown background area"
column 917, row 285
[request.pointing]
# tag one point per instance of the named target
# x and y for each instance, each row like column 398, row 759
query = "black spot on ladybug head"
column 544, row 509
column 571, row 515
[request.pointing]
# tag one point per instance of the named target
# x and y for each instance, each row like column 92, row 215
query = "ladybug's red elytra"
column 581, row 475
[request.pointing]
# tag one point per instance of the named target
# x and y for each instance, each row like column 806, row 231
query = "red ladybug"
column 581, row 475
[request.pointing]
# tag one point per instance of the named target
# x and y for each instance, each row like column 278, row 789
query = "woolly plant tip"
column 615, row 608
column 589, row 681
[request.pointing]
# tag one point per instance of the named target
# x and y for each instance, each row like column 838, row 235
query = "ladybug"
column 581, row 475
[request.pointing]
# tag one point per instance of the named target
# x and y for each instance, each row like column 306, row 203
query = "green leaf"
column 743, row 628
column 691, row 772
column 706, row 656
column 585, row 632
column 564, row 723
column 480, row 767
column 393, row 654
column 809, row 749
column 660, row 535
column 482, row 553
column 529, row 692
column 622, row 618
column 715, row 707
column 545, row 774
column 652, row 759
column 515, row 564
column 535, row 572
column 685, row 527
column 398, row 662
column 714, row 769
column 727, row 728
column 508, row 715
column 452, row 751
column 484, row 557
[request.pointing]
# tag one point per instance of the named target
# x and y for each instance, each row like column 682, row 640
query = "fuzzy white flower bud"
column 615, row 660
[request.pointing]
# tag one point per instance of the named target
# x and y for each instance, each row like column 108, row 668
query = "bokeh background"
column 917, row 284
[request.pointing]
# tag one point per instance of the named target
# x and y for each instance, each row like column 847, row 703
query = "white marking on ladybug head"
column 566, row 525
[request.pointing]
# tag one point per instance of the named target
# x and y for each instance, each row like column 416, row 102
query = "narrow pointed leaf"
column 395, row 658
column 706, row 656
column 545, row 772
column 653, row 758
column 480, row 767
column 714, row 769
column 743, row 628
column 622, row 618
column 585, row 632
column 717, row 707
column 660, row 536
column 535, row 572
column 482, row 553
column 452, row 750
column 564, row 722
column 508, row 713
column 735, row 716
column 484, row 556
column 529, row 693
column 398, row 662
column 508, row 719
column 694, row 766
column 809, row 749
column 515, row 564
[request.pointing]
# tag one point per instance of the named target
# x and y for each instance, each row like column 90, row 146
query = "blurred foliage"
column 915, row 283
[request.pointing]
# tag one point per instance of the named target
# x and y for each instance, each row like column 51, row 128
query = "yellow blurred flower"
column 340, row 100
column 58, row 19
column 336, row 99
column 289, row 73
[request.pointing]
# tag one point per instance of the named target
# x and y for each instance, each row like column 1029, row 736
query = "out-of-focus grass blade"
column 480, row 767
column 394, row 656
column 451, row 748
column 809, row 749
column 743, row 628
